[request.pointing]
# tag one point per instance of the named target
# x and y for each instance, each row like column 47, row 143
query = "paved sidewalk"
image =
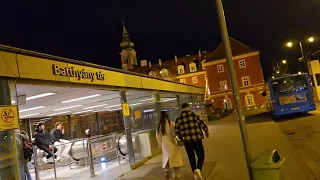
column 224, row 154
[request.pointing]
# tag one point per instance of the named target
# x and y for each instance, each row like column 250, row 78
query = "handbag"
column 176, row 140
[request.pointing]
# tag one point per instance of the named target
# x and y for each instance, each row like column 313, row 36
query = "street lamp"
column 311, row 39
column 278, row 72
column 299, row 72
column 290, row 44
column 284, row 61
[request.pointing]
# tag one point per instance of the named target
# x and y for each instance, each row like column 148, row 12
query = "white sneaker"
column 57, row 158
column 45, row 160
column 197, row 175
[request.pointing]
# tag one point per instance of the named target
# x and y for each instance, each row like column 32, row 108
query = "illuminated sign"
column 79, row 74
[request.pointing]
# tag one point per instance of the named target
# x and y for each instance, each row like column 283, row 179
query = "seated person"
column 57, row 138
column 43, row 143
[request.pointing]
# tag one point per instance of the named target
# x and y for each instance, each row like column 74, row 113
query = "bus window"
column 289, row 85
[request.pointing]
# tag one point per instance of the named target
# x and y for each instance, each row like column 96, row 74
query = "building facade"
column 209, row 71
column 249, row 77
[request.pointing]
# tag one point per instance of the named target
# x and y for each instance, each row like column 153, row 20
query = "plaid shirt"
column 189, row 126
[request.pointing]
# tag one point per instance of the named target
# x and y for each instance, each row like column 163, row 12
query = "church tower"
column 128, row 54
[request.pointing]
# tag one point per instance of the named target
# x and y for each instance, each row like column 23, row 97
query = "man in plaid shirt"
column 188, row 128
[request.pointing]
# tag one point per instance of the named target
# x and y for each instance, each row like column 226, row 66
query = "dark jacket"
column 41, row 138
column 56, row 135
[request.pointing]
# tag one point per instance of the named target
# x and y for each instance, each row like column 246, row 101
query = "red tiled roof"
column 237, row 49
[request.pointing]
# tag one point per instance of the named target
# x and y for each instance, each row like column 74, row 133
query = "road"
column 303, row 132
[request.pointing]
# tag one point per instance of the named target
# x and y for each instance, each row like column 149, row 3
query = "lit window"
column 245, row 81
column 194, row 79
column 220, row 68
column 182, row 81
column 242, row 63
column 181, row 69
column 249, row 100
column 203, row 65
column 164, row 73
column 223, row 85
column 193, row 67
column 152, row 73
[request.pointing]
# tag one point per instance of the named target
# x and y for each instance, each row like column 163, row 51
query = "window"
column 181, row 69
column 182, row 81
column 152, row 73
column 288, row 85
column 203, row 65
column 242, row 63
column 223, row 85
column 193, row 67
column 165, row 73
column 227, row 103
column 220, row 68
column 194, row 79
column 249, row 100
column 245, row 81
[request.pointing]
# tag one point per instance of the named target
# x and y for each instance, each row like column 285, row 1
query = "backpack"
column 27, row 149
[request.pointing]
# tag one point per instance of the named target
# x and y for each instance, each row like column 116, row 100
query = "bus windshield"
column 290, row 84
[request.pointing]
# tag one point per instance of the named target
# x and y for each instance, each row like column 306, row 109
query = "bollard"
column 35, row 160
column 54, row 163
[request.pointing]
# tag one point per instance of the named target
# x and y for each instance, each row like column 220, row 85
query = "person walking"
column 22, row 139
column 171, row 157
column 189, row 128
column 42, row 141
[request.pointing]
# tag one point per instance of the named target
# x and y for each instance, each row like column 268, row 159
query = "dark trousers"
column 48, row 151
column 192, row 148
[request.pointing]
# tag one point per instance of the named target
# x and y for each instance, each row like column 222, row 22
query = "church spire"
column 125, row 34
column 126, row 43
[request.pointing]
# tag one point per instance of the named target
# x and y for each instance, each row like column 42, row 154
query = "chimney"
column 160, row 64
column 144, row 63
column 199, row 52
column 175, row 58
column 149, row 64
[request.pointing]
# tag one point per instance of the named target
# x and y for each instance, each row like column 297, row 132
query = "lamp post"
column 290, row 44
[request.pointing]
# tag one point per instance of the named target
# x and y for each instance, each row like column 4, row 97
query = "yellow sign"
column 8, row 117
column 126, row 109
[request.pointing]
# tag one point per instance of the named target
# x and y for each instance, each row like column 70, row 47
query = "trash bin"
column 267, row 166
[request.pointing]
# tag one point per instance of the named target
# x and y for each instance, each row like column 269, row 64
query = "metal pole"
column 233, row 78
column 98, row 123
column 54, row 163
column 304, row 58
column 90, row 158
column 70, row 126
column 85, row 153
column 132, row 158
column 35, row 160
column 157, row 107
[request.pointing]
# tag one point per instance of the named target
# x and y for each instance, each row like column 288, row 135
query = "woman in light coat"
column 171, row 156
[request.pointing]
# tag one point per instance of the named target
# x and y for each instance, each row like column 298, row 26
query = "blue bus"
column 289, row 94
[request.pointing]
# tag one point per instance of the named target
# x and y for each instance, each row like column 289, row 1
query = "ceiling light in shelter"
column 59, row 113
column 82, row 98
column 96, row 106
column 80, row 112
column 29, row 115
column 39, row 96
column 30, row 109
column 70, row 107
column 113, row 106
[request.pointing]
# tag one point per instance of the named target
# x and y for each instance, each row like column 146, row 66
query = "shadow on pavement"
column 155, row 172
column 259, row 118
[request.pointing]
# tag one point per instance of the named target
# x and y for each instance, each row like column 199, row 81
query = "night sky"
column 91, row 30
